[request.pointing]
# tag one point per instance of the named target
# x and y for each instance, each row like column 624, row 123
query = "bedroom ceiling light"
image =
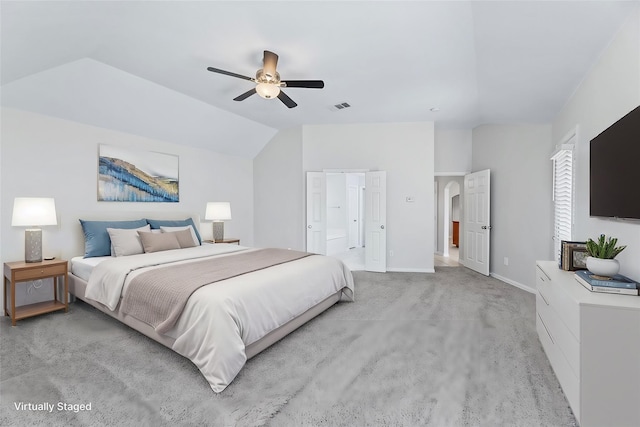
column 218, row 212
column 33, row 212
column 268, row 81
column 268, row 90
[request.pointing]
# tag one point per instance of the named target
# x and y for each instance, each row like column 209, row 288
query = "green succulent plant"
column 604, row 248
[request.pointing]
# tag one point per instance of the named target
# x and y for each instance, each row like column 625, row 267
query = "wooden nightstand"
column 20, row 271
column 229, row 240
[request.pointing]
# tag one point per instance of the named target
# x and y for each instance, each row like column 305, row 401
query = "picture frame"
column 129, row 175
column 566, row 257
column 578, row 258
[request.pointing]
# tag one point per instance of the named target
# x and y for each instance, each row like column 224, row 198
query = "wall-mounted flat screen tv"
column 615, row 169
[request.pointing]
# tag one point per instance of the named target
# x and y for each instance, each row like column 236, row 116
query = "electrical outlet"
column 506, row 261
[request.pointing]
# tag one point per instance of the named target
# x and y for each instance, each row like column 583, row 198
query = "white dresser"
column 593, row 343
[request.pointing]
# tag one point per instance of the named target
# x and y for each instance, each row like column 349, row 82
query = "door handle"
column 382, row 226
column 486, row 227
column 308, row 226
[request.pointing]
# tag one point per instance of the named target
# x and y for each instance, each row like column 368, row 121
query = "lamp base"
column 218, row 231
column 33, row 245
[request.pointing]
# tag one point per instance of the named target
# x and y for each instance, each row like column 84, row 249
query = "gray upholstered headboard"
column 76, row 245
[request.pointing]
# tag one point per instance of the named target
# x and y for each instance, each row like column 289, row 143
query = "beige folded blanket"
column 157, row 297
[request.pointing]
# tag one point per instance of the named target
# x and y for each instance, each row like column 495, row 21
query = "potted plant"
column 601, row 256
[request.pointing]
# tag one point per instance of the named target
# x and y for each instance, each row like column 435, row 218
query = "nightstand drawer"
column 39, row 272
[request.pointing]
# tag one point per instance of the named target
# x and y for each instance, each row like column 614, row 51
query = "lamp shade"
column 267, row 90
column 218, row 211
column 31, row 211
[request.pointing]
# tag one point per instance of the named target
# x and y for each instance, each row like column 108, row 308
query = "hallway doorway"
column 448, row 216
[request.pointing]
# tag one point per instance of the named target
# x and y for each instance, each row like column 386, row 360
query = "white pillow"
column 196, row 242
column 125, row 241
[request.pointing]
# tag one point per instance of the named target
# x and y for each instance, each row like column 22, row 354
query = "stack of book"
column 617, row 284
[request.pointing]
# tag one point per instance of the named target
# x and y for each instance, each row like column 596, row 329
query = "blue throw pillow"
column 157, row 223
column 96, row 237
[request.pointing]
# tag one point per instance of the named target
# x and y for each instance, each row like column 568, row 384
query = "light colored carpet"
column 448, row 349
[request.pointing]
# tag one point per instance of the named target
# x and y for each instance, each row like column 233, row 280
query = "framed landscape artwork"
column 126, row 175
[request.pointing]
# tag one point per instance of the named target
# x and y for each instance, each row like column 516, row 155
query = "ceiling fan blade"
column 312, row 84
column 286, row 100
column 270, row 62
column 229, row 73
column 245, row 95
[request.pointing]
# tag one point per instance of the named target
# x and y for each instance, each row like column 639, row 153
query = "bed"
column 222, row 324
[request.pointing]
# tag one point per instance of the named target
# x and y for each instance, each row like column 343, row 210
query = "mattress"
column 82, row 267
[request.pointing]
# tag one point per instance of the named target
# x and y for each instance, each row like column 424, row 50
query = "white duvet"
column 221, row 319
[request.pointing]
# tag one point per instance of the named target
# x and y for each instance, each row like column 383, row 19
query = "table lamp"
column 218, row 212
column 33, row 212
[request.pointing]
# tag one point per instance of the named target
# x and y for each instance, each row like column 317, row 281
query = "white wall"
column 521, row 210
column 405, row 151
column 279, row 192
column 49, row 157
column 452, row 151
column 609, row 91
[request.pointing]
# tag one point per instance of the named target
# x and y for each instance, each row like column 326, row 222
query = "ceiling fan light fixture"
column 268, row 81
column 268, row 90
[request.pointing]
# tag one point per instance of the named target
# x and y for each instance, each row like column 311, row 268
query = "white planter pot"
column 603, row 267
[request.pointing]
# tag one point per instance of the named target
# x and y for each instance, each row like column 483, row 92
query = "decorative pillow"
column 189, row 228
column 185, row 238
column 157, row 223
column 155, row 242
column 96, row 237
column 125, row 241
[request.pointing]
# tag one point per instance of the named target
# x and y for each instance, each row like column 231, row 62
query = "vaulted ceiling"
column 141, row 67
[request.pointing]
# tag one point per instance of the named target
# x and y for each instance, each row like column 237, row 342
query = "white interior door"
column 477, row 229
column 375, row 221
column 317, row 212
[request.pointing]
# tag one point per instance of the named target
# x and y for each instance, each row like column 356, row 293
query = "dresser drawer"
column 548, row 344
column 564, row 340
column 564, row 373
column 557, row 297
column 40, row 272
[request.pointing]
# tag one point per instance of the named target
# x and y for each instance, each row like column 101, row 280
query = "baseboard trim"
column 513, row 283
column 411, row 270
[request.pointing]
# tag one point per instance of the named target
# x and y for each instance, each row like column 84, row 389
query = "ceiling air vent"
column 340, row 106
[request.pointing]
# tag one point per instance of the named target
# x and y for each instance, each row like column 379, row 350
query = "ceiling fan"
column 268, row 81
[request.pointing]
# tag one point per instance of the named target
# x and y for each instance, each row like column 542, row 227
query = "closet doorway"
column 344, row 212
column 345, row 220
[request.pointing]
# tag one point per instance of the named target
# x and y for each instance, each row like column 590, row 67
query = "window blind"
column 562, row 195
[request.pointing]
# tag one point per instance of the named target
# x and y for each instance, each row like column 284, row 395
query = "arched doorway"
column 450, row 217
column 449, row 196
